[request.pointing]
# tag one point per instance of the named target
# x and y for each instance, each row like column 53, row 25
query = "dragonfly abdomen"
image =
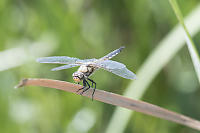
column 112, row 54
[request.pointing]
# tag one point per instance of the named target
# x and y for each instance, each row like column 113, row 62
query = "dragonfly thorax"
column 86, row 70
column 83, row 69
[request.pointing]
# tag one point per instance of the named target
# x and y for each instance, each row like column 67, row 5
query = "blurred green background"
column 89, row 29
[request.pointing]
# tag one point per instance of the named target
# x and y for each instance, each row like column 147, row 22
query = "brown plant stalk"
column 115, row 99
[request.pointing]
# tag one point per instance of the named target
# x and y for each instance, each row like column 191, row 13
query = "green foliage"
column 191, row 46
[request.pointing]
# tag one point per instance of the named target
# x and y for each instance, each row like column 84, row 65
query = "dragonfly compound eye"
column 76, row 79
column 77, row 76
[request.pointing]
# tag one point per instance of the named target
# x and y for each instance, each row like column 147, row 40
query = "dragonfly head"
column 78, row 76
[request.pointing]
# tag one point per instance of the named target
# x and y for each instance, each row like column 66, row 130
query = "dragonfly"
column 88, row 66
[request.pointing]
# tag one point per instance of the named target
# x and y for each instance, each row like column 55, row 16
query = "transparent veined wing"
column 109, row 64
column 123, row 72
column 65, row 67
column 87, row 61
column 116, row 68
column 59, row 60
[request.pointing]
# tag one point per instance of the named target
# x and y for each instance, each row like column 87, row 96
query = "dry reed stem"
column 115, row 99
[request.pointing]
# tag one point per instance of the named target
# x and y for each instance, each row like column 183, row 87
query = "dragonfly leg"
column 84, row 85
column 92, row 86
column 91, row 81
column 86, row 88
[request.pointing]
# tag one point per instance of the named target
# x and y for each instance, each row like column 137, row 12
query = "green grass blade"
column 191, row 46
column 174, row 41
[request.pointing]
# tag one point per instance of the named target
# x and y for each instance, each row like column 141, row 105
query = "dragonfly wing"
column 117, row 68
column 65, row 67
column 58, row 60
column 123, row 72
column 87, row 61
